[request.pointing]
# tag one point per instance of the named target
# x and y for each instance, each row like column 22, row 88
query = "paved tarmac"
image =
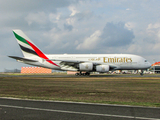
column 16, row 109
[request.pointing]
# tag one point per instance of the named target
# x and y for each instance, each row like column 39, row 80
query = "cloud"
column 54, row 17
column 40, row 18
column 90, row 42
column 73, row 10
column 154, row 30
column 34, row 5
column 115, row 35
column 128, row 9
column 153, row 26
column 81, row 16
column 68, row 27
column 71, row 21
column 84, row 15
column 130, row 25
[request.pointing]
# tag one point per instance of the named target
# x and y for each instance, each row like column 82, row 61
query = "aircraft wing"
column 22, row 59
column 68, row 61
column 74, row 63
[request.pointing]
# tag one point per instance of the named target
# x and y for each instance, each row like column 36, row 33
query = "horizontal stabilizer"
column 22, row 59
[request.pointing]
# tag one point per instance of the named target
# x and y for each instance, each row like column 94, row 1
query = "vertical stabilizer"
column 27, row 46
column 29, row 49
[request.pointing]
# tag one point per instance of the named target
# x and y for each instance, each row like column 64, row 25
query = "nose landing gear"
column 141, row 73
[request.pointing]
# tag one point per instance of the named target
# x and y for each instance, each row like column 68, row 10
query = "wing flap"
column 74, row 63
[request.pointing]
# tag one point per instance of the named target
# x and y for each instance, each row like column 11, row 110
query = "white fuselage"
column 118, row 61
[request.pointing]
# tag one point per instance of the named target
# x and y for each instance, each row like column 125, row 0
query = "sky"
column 81, row 27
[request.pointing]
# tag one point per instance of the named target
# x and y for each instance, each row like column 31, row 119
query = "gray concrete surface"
column 16, row 109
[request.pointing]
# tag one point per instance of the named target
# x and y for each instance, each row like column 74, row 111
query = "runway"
column 17, row 109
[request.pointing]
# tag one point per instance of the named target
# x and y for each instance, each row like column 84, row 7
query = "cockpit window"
column 145, row 61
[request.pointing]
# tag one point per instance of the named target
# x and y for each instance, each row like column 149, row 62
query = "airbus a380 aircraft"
column 85, row 63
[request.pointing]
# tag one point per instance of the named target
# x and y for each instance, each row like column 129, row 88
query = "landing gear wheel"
column 87, row 73
column 84, row 74
column 80, row 74
column 141, row 74
column 77, row 74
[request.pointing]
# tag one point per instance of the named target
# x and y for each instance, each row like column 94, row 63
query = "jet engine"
column 86, row 66
column 102, row 68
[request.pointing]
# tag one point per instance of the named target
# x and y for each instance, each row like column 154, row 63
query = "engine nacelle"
column 86, row 66
column 102, row 68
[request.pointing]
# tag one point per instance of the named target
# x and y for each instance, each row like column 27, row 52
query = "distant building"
column 35, row 70
column 155, row 67
column 156, row 64
column 71, row 72
column 12, row 71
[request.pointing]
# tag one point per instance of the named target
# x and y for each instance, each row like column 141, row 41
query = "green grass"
column 141, row 91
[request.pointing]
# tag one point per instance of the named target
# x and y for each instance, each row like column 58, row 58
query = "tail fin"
column 28, row 48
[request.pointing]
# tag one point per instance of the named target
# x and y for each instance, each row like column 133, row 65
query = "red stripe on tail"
column 40, row 54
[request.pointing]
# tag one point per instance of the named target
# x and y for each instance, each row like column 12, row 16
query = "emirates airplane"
column 84, row 64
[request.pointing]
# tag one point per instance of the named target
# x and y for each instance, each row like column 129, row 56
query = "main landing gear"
column 82, row 74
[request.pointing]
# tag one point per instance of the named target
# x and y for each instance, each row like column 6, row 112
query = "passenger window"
column 145, row 61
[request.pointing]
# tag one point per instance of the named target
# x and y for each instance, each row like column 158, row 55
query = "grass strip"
column 137, row 91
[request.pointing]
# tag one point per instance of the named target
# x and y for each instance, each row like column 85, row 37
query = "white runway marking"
column 74, row 112
column 83, row 103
